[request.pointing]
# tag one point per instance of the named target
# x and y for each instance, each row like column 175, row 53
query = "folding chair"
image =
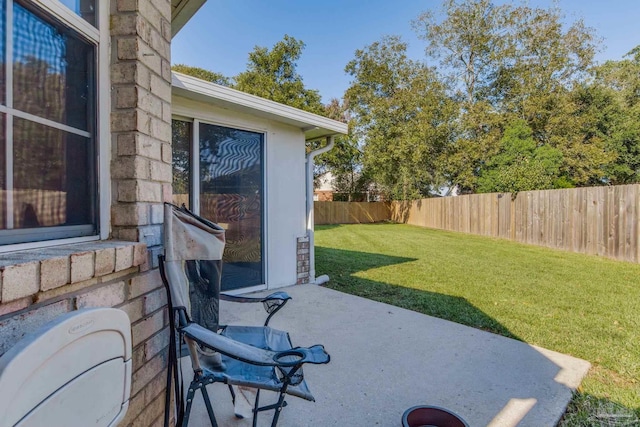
column 259, row 357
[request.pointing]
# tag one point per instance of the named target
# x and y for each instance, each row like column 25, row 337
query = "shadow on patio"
column 386, row 359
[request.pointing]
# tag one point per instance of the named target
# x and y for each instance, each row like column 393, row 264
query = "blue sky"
column 223, row 32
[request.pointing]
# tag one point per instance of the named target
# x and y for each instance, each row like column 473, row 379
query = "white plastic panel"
column 92, row 399
column 74, row 371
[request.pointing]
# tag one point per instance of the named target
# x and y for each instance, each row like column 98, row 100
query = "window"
column 228, row 189
column 84, row 8
column 48, row 149
column 181, row 148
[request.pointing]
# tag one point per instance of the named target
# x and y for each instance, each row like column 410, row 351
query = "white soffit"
column 181, row 12
column 313, row 125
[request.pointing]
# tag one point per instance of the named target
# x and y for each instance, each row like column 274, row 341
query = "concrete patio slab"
column 386, row 359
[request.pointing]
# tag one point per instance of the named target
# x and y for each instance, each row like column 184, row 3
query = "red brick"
column 54, row 272
column 124, row 257
column 14, row 306
column 145, row 283
column 156, row 344
column 20, row 280
column 150, row 413
column 82, row 266
column 149, row 371
column 136, row 406
column 134, row 309
column 155, row 300
column 147, row 327
column 105, row 261
column 105, row 296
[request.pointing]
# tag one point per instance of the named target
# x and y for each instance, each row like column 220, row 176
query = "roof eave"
column 181, row 12
column 313, row 125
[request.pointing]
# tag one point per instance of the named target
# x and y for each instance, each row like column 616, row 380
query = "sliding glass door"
column 228, row 189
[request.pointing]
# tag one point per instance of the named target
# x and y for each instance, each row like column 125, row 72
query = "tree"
column 272, row 74
column 402, row 115
column 613, row 103
column 539, row 86
column 521, row 165
column 514, row 62
column 201, row 73
column 344, row 161
column 470, row 42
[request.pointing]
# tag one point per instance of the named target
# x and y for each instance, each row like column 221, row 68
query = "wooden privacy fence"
column 350, row 212
column 594, row 220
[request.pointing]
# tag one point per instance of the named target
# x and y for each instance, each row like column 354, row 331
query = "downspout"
column 309, row 182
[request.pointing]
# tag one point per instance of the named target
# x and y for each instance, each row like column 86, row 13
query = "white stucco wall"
column 285, row 182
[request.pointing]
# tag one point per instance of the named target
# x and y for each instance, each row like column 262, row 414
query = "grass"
column 585, row 306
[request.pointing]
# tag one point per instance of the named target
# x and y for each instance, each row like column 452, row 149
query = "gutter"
column 310, row 219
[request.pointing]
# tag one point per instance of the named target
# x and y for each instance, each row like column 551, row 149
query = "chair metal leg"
column 233, row 394
column 190, row 394
column 207, row 403
column 256, row 408
column 278, row 409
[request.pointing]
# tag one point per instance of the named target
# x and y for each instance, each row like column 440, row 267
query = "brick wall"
column 140, row 119
column 141, row 181
column 323, row 196
column 39, row 285
column 302, row 258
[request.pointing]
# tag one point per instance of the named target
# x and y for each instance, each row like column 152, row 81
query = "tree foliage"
column 513, row 63
column 521, row 164
column 344, row 161
column 613, row 102
column 402, row 113
column 469, row 42
column 272, row 74
column 201, row 73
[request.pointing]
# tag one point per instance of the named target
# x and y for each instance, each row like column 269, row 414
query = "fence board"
column 355, row 212
column 596, row 220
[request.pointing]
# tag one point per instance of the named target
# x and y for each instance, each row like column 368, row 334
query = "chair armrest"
column 315, row 354
column 254, row 355
column 229, row 347
column 272, row 303
column 272, row 297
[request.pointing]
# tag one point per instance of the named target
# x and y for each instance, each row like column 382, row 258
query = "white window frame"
column 101, row 38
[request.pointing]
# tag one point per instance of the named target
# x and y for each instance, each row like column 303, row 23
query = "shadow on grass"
column 327, row 226
column 584, row 410
column 342, row 265
column 588, row 410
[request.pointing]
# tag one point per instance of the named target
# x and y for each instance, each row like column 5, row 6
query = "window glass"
column 84, row 8
column 51, row 71
column 181, row 149
column 231, row 191
column 3, row 174
column 48, row 151
column 3, row 78
column 51, row 186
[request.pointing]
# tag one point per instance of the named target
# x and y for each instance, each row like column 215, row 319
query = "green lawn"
column 585, row 306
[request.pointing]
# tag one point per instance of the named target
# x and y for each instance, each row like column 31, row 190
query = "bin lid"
column 74, row 371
